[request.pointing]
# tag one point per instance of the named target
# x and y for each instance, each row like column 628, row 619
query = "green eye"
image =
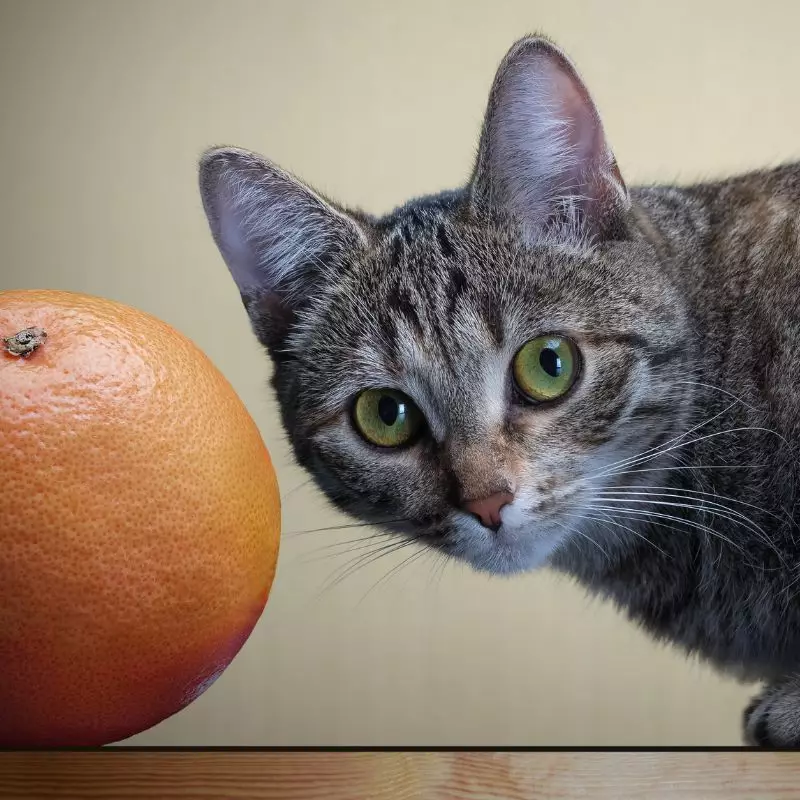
column 545, row 368
column 387, row 418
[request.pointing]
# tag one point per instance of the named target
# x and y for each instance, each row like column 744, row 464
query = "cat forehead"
column 440, row 271
column 438, row 291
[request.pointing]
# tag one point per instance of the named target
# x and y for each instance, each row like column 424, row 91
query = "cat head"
column 467, row 369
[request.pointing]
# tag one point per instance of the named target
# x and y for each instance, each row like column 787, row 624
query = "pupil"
column 550, row 362
column 388, row 410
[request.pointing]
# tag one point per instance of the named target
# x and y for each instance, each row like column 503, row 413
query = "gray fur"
column 683, row 303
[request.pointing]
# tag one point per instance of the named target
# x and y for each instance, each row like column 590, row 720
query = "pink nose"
column 487, row 509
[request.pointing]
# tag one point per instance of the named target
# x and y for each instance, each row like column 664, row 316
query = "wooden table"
column 224, row 775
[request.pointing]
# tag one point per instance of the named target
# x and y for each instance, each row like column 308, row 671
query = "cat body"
column 545, row 368
column 733, row 249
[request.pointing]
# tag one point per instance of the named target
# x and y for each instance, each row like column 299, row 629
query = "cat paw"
column 772, row 719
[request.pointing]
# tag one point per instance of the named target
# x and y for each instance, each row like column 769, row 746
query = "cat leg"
column 773, row 717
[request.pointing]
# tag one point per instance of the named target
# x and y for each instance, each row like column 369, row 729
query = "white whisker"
column 717, row 497
column 677, row 438
column 680, row 493
column 704, row 506
column 608, row 521
column 644, row 459
column 660, row 515
column 585, row 536
column 717, row 389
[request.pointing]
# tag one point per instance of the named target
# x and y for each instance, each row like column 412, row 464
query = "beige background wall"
column 105, row 107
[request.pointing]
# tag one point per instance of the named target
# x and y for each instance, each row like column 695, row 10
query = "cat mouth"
column 522, row 542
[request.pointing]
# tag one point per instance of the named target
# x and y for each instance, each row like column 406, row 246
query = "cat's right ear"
column 278, row 237
column 543, row 154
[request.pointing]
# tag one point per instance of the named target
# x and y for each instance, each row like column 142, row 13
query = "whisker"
column 393, row 571
column 587, row 537
column 676, row 438
column 345, row 526
column 653, row 452
column 362, row 560
column 717, row 389
column 705, row 506
column 707, row 436
column 294, row 489
column 440, row 565
column 323, row 552
column 377, row 550
column 433, row 561
column 640, row 513
column 643, row 489
column 644, row 517
column 790, row 584
column 710, row 508
column 606, row 519
column 702, row 505
column 391, row 542
column 694, row 467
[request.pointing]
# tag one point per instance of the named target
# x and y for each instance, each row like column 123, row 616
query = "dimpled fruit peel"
column 139, row 520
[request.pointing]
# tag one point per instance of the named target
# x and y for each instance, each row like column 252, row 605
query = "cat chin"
column 511, row 550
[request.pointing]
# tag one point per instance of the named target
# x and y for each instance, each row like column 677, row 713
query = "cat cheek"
column 402, row 482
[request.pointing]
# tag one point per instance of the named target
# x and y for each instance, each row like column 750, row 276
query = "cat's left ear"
column 281, row 239
column 543, row 154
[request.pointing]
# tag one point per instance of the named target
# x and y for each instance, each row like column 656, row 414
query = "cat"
column 547, row 368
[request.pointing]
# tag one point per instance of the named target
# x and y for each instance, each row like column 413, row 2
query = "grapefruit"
column 139, row 520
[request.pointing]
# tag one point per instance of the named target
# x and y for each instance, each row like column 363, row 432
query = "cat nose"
column 487, row 509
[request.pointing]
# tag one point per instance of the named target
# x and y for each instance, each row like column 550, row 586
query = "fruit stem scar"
column 26, row 342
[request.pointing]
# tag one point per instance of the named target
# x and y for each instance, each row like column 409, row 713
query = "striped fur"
column 683, row 303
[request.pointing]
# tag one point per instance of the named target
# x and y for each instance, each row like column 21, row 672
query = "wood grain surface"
column 434, row 776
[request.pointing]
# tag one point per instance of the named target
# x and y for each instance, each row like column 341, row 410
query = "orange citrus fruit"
column 139, row 520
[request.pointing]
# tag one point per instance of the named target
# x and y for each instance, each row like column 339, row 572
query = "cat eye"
column 545, row 368
column 387, row 418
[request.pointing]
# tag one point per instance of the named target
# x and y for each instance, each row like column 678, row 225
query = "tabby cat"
column 545, row 367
